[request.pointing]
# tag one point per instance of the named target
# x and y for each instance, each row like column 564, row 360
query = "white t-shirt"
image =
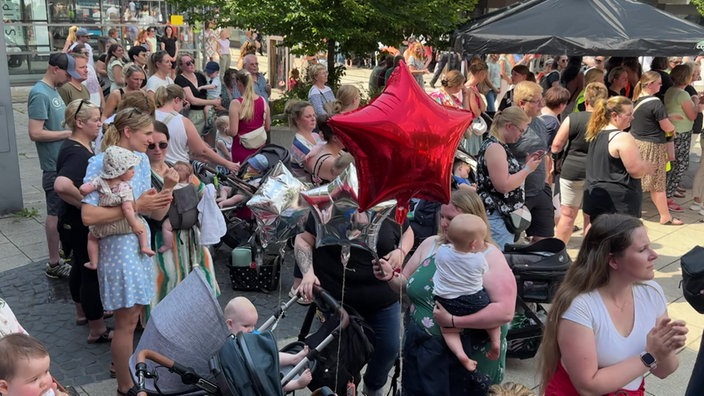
column 178, row 141
column 458, row 273
column 588, row 310
column 155, row 82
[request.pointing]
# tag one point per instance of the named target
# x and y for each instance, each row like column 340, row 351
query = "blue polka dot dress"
column 125, row 275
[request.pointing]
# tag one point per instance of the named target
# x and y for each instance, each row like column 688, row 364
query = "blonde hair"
column 510, row 389
column 166, row 93
column 453, row 78
column 647, row 78
column 71, row 37
column 131, row 118
column 137, row 99
column 245, row 78
column 510, row 115
column 594, row 75
column 294, row 109
column 468, row 201
column 601, row 117
column 221, row 123
column 609, row 236
column 595, row 91
column 345, row 97
column 70, row 115
column 526, row 91
column 315, row 70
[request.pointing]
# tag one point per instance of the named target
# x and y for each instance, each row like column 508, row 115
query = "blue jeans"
column 386, row 323
column 696, row 380
column 499, row 233
column 491, row 101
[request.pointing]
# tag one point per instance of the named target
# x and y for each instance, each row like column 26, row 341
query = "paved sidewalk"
column 44, row 306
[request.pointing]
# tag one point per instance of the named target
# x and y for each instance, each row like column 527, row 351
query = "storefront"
column 35, row 28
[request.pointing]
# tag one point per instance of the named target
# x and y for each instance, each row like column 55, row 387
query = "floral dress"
column 125, row 275
column 494, row 200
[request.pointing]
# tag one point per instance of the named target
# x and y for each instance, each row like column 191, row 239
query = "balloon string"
column 400, row 305
column 344, row 259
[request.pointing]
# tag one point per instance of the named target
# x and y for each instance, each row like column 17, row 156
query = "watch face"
column 648, row 359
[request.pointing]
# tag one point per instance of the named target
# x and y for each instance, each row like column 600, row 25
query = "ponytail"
column 334, row 107
column 601, row 117
column 111, row 136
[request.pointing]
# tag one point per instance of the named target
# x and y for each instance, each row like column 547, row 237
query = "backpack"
column 693, row 278
column 183, row 213
column 355, row 351
column 247, row 365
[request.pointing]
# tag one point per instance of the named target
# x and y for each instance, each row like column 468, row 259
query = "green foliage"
column 700, row 6
column 357, row 25
column 25, row 213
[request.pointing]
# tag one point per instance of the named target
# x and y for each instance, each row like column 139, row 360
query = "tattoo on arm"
column 304, row 257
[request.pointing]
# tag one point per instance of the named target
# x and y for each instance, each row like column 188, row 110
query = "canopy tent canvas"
column 581, row 27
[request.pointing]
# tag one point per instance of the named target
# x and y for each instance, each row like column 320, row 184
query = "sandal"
column 673, row 222
column 678, row 194
column 104, row 338
column 674, row 207
column 113, row 373
column 681, row 189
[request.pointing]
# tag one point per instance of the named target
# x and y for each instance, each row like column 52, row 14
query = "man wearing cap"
column 45, row 110
column 261, row 85
column 74, row 88
column 82, row 36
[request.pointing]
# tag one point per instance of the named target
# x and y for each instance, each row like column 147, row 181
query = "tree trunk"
column 331, row 61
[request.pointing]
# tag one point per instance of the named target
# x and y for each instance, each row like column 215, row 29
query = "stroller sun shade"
column 188, row 327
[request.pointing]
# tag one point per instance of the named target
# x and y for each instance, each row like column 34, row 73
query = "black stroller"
column 539, row 269
column 217, row 363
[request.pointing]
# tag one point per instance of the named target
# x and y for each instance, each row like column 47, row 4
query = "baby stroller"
column 539, row 269
column 217, row 363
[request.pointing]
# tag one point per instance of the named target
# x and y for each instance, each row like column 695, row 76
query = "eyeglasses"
column 522, row 130
column 536, row 101
column 133, row 111
column 162, row 145
column 189, row 63
column 78, row 110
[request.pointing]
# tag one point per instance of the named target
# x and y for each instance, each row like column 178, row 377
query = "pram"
column 173, row 329
column 538, row 269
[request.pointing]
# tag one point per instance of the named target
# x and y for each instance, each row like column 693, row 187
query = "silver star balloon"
column 277, row 206
column 338, row 221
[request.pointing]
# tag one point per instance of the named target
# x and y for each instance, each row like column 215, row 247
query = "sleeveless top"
column 178, row 141
column 577, row 148
column 609, row 188
column 494, row 200
column 257, row 120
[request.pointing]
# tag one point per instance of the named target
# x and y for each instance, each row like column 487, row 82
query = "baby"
column 114, row 189
column 461, row 171
column 458, row 281
column 214, row 86
column 257, row 165
column 223, row 140
column 185, row 171
column 241, row 315
column 24, row 367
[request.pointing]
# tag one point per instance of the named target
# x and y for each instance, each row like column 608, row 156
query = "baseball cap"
column 82, row 32
column 64, row 62
column 211, row 67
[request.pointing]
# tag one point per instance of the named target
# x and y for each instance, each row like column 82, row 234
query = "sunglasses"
column 78, row 110
column 189, row 63
column 162, row 145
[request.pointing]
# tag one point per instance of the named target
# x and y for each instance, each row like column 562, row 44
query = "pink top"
column 239, row 152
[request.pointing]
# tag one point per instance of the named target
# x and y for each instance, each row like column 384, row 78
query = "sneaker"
column 697, row 207
column 59, row 271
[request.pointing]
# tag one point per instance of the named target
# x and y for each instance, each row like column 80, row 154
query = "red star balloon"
column 403, row 143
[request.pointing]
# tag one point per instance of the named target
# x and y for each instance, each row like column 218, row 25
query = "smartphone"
column 539, row 154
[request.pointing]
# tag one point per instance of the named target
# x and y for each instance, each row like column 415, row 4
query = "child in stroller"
column 257, row 165
column 241, row 315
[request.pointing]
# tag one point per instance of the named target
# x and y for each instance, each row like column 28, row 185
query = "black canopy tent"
column 581, row 27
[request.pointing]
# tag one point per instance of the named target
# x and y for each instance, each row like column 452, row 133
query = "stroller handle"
column 331, row 302
column 188, row 375
column 246, row 188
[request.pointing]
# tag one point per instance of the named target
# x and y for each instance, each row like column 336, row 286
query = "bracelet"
column 453, row 320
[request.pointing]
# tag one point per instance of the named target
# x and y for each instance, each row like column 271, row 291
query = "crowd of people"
column 592, row 130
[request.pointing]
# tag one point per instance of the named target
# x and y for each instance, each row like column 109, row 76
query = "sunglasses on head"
column 162, row 145
column 80, row 105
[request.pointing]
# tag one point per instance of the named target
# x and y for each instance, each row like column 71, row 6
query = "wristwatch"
column 648, row 360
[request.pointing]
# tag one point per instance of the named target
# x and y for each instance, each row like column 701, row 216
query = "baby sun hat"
column 117, row 161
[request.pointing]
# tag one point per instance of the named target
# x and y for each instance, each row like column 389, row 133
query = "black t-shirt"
column 186, row 84
column 169, row 45
column 363, row 291
column 72, row 163
column 646, row 120
column 666, row 84
column 573, row 168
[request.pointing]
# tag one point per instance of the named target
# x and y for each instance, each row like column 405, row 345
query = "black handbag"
column 693, row 278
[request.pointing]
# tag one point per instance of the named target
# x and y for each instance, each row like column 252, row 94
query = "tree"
column 356, row 25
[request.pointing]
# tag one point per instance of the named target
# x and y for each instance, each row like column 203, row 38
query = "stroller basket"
column 538, row 268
